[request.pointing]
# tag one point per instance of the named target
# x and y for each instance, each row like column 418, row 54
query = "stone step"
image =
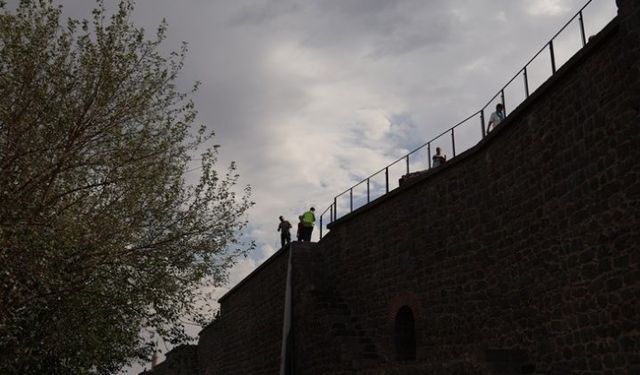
column 355, row 344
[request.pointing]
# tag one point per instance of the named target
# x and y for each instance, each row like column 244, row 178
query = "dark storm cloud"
column 310, row 96
column 261, row 13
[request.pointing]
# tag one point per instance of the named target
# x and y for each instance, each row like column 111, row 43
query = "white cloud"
column 243, row 268
column 547, row 7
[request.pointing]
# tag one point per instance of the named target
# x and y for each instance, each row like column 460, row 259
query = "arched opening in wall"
column 405, row 335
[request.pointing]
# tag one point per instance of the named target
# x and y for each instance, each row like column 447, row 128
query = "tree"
column 101, row 232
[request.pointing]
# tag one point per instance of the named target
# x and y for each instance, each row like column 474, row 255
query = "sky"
column 310, row 97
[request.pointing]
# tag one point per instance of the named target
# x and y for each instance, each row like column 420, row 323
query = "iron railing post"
column 429, row 153
column 386, row 178
column 335, row 208
column 351, row 200
column 482, row 122
column 526, row 81
column 504, row 105
column 584, row 37
column 321, row 226
column 368, row 192
column 553, row 57
column 408, row 163
column 453, row 143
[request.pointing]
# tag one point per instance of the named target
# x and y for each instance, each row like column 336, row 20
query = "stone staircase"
column 345, row 342
column 355, row 346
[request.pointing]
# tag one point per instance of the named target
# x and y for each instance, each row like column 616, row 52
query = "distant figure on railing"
column 496, row 117
column 308, row 221
column 285, row 231
column 439, row 158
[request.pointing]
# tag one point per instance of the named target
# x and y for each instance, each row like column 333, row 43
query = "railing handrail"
column 548, row 45
column 545, row 46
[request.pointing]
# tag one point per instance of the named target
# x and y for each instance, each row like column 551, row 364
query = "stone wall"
column 522, row 254
column 519, row 256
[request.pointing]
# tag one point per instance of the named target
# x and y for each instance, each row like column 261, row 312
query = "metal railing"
column 374, row 187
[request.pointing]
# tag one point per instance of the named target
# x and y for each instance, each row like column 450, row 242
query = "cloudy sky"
column 309, row 97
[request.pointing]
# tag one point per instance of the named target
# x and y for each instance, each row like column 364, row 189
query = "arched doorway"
column 405, row 335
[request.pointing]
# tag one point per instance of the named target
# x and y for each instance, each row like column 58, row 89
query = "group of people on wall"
column 308, row 219
column 305, row 227
column 496, row 118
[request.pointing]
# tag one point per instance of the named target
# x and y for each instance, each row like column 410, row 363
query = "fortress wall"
column 521, row 254
column 246, row 338
column 525, row 250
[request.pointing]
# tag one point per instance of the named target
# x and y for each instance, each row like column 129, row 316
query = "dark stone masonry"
column 520, row 256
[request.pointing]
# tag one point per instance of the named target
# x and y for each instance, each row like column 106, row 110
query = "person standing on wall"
column 300, row 233
column 438, row 158
column 308, row 221
column 496, row 117
column 285, row 231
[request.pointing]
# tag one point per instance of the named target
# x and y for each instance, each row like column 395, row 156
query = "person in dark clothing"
column 285, row 231
column 300, row 233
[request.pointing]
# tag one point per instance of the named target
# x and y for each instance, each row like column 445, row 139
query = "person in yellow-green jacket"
column 308, row 221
